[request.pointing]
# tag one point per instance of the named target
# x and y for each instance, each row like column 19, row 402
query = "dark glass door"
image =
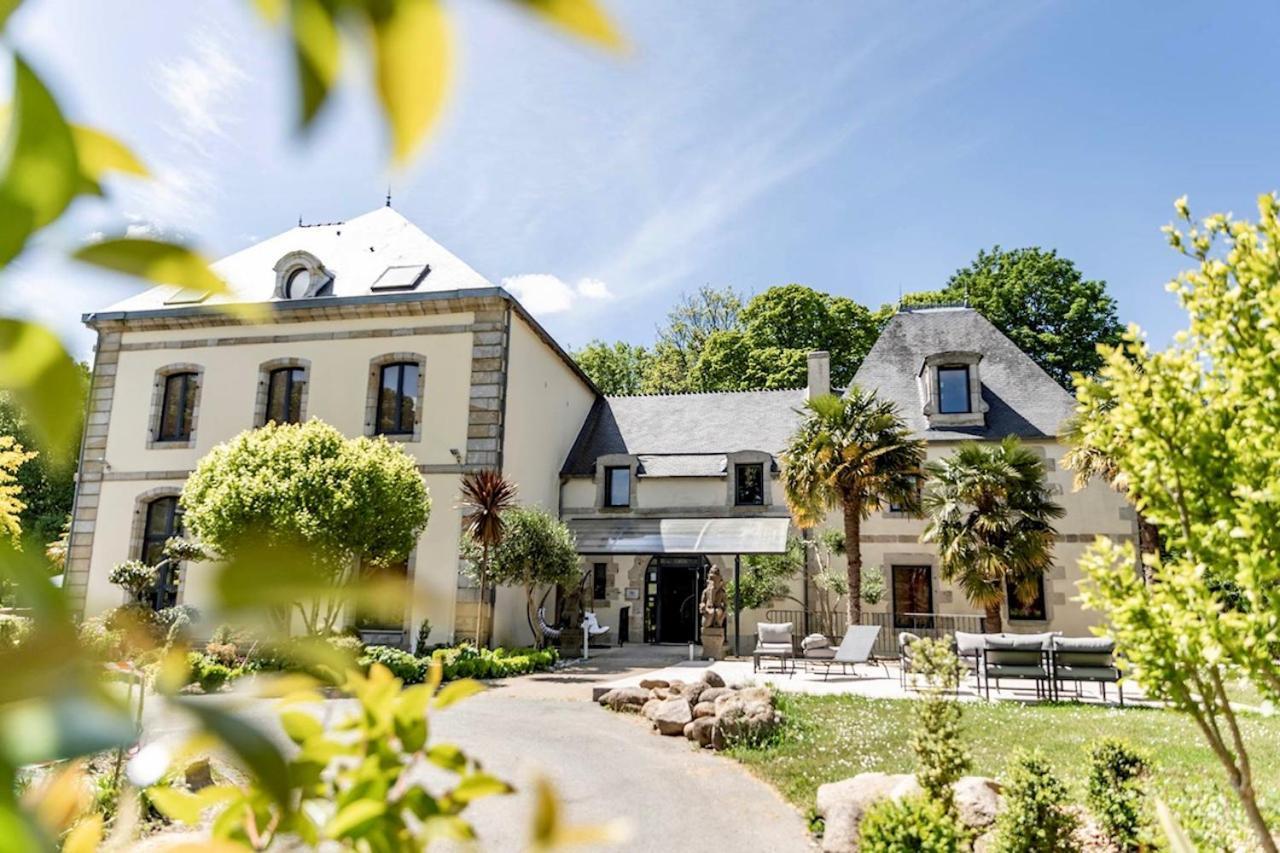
column 912, row 597
column 672, row 586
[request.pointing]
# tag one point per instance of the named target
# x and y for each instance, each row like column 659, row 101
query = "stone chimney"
column 819, row 374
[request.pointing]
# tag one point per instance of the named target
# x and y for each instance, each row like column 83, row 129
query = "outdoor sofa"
column 774, row 640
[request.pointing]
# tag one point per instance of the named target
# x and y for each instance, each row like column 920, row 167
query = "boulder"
column 747, row 713
column 660, row 692
column 650, row 683
column 672, row 715
column 711, row 678
column 688, row 729
column 711, row 694
column 692, row 692
column 648, row 709
column 700, row 731
column 842, row 805
column 717, row 736
column 977, row 800
column 625, row 699
column 704, row 709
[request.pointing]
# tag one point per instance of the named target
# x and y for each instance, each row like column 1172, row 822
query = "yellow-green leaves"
column 411, row 57
column 99, row 153
column 317, row 51
column 253, row 747
column 187, row 806
column 456, row 691
column 156, row 261
column 299, row 726
column 44, row 380
column 582, row 18
column 550, row 831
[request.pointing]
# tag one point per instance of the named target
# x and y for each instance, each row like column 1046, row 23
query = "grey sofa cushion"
column 1087, row 673
column 969, row 644
column 814, row 641
column 821, row 653
column 774, row 632
column 1096, row 645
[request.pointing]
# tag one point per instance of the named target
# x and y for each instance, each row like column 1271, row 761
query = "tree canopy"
column 618, row 368
column 536, row 550
column 1042, row 302
column 47, row 480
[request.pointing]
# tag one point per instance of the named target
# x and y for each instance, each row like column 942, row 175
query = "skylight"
column 401, row 278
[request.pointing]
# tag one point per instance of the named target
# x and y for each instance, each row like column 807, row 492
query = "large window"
column 749, row 484
column 919, row 495
column 953, row 390
column 599, row 581
column 382, row 618
column 285, row 387
column 1029, row 610
column 163, row 520
column 398, row 398
column 178, row 407
column 912, row 597
column 617, row 486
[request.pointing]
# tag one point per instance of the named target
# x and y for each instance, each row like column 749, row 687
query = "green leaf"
column 100, row 153
column 300, row 726
column 582, row 18
column 411, row 67
column 456, row 691
column 44, row 380
column 317, row 51
column 271, row 10
column 85, row 836
column 448, row 757
column 477, row 785
column 447, row 828
column 253, row 747
column 7, row 8
column 176, row 804
column 1178, row 840
column 156, row 261
column 354, row 817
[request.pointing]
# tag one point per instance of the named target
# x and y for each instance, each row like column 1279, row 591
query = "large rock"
column 650, row 683
column 711, row 694
column 842, row 805
column 701, row 730
column 704, row 709
column 747, row 713
column 672, row 715
column 692, row 692
column 977, row 800
column 625, row 699
column 711, row 678
column 648, row 709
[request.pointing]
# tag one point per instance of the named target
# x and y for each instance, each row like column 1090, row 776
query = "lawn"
column 827, row 738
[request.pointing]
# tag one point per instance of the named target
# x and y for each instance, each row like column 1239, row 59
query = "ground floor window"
column 912, row 597
column 163, row 521
column 1027, row 610
column 672, row 586
column 600, row 581
column 383, row 620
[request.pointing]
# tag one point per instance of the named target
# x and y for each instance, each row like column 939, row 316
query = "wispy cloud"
column 544, row 294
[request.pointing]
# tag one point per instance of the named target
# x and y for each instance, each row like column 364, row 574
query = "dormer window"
column 300, row 275
column 953, row 390
column 295, row 286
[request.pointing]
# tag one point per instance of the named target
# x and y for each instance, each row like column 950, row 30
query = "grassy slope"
column 833, row 737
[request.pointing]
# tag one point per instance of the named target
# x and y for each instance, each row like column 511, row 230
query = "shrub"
column 421, row 647
column 465, row 661
column 14, row 630
column 175, row 622
column 911, row 824
column 231, row 634
column 1115, row 791
column 1034, row 819
column 135, row 577
column 941, row 758
column 347, row 644
column 403, row 665
column 100, row 640
column 208, row 672
column 226, row 654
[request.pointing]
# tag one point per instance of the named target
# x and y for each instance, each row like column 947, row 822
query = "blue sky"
column 860, row 148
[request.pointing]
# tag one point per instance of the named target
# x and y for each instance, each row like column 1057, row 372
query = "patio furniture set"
column 1050, row 661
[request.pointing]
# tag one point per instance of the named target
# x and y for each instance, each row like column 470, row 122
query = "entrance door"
column 912, row 597
column 672, row 586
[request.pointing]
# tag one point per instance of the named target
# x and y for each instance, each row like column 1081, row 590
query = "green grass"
column 828, row 738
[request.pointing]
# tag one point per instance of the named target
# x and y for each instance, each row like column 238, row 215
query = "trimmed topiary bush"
column 403, row 665
column 208, row 672
column 911, row 824
column 1035, row 818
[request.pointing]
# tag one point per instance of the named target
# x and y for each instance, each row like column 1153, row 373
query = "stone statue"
column 713, row 605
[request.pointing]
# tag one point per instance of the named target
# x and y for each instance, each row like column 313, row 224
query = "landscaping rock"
column 704, row 709
column 650, row 708
column 747, row 713
column 700, row 731
column 688, row 729
column 711, row 678
column 628, row 699
column 691, row 693
column 672, row 715
column 711, row 694
column 842, row 805
column 660, row 692
column 650, row 683
column 977, row 801
column 198, row 775
column 717, row 737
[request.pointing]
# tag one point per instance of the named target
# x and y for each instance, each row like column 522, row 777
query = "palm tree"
column 852, row 453
column 486, row 494
column 989, row 512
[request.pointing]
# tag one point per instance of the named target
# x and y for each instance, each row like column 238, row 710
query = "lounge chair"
column 854, row 649
column 969, row 648
column 594, row 628
column 1024, row 657
column 1081, row 659
column 774, row 640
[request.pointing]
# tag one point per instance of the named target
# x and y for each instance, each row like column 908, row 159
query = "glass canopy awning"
column 708, row 536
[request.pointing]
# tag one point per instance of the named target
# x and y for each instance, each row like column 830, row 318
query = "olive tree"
column 344, row 502
column 536, row 550
column 1195, row 431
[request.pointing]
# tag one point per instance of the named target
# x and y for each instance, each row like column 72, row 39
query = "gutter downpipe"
column 737, row 600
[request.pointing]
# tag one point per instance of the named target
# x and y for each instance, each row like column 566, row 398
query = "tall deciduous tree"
column 694, row 319
column 12, row 459
column 617, row 368
column 990, row 512
column 536, row 550
column 308, row 488
column 850, row 453
column 487, row 496
column 1042, row 302
column 1195, row 431
column 795, row 320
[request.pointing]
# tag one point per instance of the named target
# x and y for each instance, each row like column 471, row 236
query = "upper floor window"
column 919, row 494
column 296, row 283
column 285, row 389
column 177, row 409
column 617, row 486
column 953, row 390
column 749, row 484
column 398, row 398
column 163, row 521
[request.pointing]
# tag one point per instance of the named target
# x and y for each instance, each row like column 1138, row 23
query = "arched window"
column 285, row 389
column 177, row 411
column 163, row 521
column 397, row 398
column 296, row 283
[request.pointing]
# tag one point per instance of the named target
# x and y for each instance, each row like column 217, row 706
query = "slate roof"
column 687, row 431
column 1023, row 399
column 357, row 252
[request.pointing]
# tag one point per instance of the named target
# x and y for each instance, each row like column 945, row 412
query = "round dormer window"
column 295, row 286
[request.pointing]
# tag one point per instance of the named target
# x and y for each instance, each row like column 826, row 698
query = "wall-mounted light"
column 457, row 457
